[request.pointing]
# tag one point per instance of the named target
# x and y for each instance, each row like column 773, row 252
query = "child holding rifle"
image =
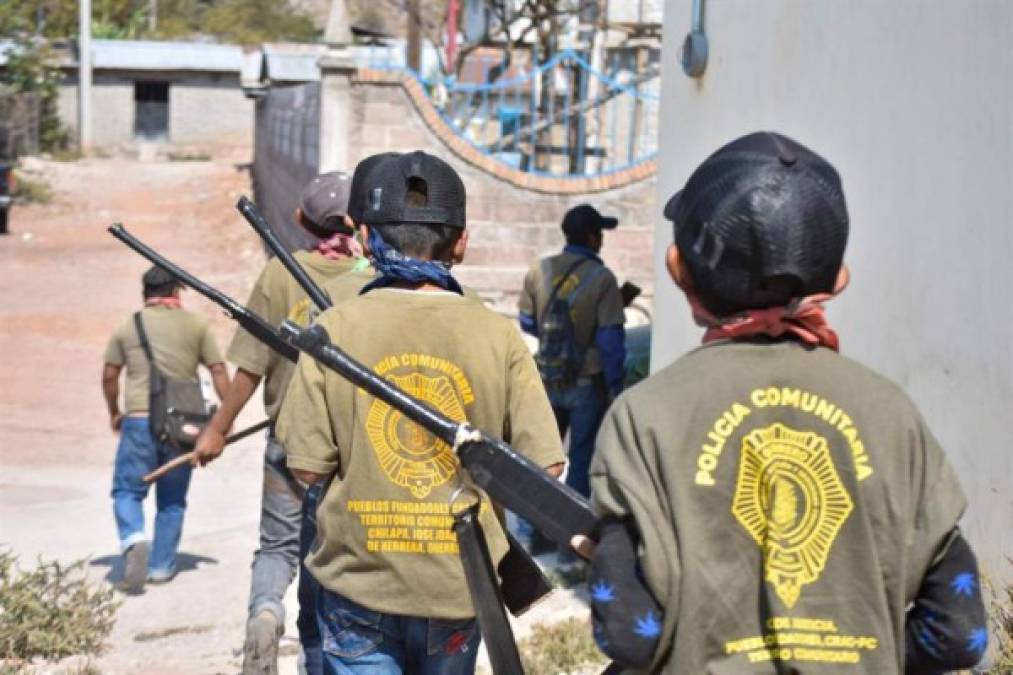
column 787, row 509
column 277, row 296
column 394, row 597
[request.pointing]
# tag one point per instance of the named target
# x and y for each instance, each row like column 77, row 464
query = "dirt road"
column 65, row 285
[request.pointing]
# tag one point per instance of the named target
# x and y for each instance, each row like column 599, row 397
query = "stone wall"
column 513, row 218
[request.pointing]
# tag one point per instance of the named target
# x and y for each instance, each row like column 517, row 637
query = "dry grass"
column 51, row 612
column 563, row 648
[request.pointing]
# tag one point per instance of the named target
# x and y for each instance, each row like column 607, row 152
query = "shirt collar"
column 577, row 249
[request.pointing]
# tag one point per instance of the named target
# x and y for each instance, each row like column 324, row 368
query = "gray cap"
column 324, row 201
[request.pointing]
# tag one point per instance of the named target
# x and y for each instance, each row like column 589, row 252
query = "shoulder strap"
column 583, row 284
column 139, row 325
column 566, row 275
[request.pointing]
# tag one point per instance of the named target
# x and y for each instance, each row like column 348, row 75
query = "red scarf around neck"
column 174, row 303
column 340, row 246
column 804, row 318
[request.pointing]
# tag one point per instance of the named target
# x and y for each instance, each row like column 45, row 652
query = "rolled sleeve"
column 246, row 351
column 210, row 354
column 114, row 354
column 304, row 425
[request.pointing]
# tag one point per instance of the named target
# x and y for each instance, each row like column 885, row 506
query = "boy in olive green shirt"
column 278, row 297
column 394, row 597
column 787, row 509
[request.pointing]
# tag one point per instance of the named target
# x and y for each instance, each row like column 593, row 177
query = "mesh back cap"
column 762, row 221
column 359, row 190
column 388, row 184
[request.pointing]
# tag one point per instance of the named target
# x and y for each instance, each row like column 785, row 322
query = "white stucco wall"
column 913, row 102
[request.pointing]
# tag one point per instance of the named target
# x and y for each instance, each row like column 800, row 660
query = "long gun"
column 256, row 219
column 512, row 479
column 253, row 323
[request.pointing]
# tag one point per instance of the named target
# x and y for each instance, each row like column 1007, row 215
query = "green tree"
column 31, row 69
column 255, row 21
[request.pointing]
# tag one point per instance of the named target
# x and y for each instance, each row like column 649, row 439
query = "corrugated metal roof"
column 152, row 55
column 293, row 63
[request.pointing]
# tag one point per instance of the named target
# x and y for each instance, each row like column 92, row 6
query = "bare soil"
column 65, row 285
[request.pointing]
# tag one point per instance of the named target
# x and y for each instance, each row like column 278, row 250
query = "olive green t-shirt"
column 597, row 305
column 384, row 537
column 277, row 297
column 179, row 340
column 789, row 502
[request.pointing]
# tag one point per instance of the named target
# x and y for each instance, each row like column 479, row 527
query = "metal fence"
column 560, row 118
column 19, row 124
column 285, row 155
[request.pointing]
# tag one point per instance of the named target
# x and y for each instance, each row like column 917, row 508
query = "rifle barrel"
column 256, row 219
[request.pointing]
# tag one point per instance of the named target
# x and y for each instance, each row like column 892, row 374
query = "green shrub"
column 31, row 190
column 51, row 611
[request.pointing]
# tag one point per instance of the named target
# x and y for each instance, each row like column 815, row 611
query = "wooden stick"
column 187, row 458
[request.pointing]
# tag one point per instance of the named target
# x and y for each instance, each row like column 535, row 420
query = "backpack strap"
column 559, row 284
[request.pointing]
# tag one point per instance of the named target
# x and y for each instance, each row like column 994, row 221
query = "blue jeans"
column 136, row 455
column 580, row 409
column 359, row 641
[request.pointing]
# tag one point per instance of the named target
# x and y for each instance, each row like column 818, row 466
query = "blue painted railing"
column 560, row 118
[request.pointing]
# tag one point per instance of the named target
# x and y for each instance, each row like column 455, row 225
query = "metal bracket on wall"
column 694, row 47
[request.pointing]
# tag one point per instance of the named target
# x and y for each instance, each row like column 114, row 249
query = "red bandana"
column 804, row 318
column 164, row 302
column 340, row 246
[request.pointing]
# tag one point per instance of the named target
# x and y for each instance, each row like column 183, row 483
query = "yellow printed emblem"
column 302, row 313
column 790, row 499
column 410, row 455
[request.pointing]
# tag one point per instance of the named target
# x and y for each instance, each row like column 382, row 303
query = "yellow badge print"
column 410, row 455
column 302, row 313
column 790, row 499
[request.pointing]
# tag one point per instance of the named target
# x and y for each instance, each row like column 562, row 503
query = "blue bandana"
column 393, row 266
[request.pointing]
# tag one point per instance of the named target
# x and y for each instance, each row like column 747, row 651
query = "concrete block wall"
column 209, row 109
column 510, row 226
column 205, row 109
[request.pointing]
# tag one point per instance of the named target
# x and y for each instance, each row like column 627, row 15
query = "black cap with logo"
column 762, row 221
column 584, row 218
column 394, row 184
column 359, row 196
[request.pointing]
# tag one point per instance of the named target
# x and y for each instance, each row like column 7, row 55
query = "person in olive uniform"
column 394, row 597
column 277, row 297
column 770, row 505
column 180, row 340
column 578, row 277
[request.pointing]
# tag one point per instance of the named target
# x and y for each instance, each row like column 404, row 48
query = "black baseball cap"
column 324, row 200
column 390, row 181
column 359, row 191
column 585, row 218
column 158, row 279
column 762, row 221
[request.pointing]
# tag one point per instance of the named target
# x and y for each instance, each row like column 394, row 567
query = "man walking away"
column 179, row 340
column 572, row 304
column 276, row 297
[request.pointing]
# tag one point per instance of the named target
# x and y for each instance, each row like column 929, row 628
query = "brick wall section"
column 513, row 218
